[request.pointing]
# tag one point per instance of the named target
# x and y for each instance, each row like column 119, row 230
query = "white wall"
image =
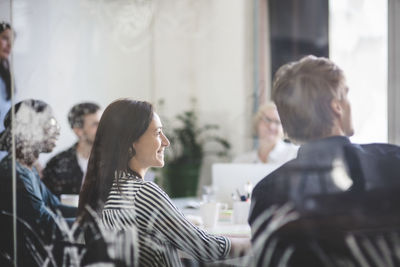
column 69, row 51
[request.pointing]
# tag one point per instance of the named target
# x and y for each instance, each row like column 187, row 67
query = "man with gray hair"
column 312, row 100
column 65, row 171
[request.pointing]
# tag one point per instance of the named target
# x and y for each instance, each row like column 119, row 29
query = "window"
column 358, row 44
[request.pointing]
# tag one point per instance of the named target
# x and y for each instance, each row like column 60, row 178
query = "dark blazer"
column 332, row 167
column 62, row 174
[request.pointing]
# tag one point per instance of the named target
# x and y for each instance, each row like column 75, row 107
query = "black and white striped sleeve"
column 158, row 215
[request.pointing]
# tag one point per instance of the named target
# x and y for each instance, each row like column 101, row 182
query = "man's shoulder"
column 278, row 174
column 6, row 167
column 380, row 148
column 65, row 155
column 24, row 176
column 378, row 164
column 375, row 151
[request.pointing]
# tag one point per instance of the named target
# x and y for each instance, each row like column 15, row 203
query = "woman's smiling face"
column 150, row 147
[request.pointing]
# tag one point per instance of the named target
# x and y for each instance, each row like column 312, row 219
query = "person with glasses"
column 35, row 131
column 271, row 148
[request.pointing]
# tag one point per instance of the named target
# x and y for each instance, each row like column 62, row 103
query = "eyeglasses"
column 52, row 125
column 271, row 121
column 53, row 121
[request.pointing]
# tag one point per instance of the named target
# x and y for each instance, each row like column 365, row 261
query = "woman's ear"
column 132, row 151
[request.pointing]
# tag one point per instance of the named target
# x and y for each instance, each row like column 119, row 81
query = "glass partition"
column 143, row 187
column 8, row 207
column 170, row 54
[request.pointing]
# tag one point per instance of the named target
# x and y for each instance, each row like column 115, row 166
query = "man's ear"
column 336, row 107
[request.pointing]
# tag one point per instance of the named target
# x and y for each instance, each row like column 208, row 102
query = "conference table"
column 224, row 226
column 190, row 207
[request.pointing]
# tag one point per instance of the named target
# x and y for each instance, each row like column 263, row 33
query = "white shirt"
column 83, row 162
column 280, row 154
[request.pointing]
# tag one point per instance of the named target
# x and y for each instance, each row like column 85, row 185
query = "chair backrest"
column 97, row 247
column 31, row 249
column 359, row 229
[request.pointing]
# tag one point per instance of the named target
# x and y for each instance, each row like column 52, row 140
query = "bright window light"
column 358, row 44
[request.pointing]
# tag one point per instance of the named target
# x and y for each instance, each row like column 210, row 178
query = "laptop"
column 228, row 178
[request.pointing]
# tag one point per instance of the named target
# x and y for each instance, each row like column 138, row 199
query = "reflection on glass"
column 69, row 50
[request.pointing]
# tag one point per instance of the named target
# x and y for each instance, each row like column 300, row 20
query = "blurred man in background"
column 64, row 173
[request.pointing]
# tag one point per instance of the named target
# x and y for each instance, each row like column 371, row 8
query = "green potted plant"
column 188, row 148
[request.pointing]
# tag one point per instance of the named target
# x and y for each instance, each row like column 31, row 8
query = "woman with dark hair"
column 5, row 75
column 129, row 140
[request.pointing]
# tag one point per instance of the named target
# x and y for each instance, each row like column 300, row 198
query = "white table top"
column 70, row 199
column 224, row 225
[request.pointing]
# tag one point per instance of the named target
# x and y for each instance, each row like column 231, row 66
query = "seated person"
column 312, row 99
column 271, row 147
column 129, row 141
column 35, row 131
column 65, row 171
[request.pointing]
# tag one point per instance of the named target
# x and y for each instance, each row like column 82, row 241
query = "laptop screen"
column 228, row 178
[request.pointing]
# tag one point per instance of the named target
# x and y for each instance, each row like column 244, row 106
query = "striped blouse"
column 161, row 228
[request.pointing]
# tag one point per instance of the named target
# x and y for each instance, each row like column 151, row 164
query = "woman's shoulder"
column 153, row 187
column 129, row 182
column 157, row 195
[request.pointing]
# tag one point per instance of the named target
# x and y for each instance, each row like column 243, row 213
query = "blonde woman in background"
column 271, row 148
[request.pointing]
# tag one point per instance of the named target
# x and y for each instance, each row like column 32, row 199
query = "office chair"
column 344, row 229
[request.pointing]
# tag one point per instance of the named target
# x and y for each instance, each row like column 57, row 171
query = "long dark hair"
column 5, row 73
column 122, row 123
